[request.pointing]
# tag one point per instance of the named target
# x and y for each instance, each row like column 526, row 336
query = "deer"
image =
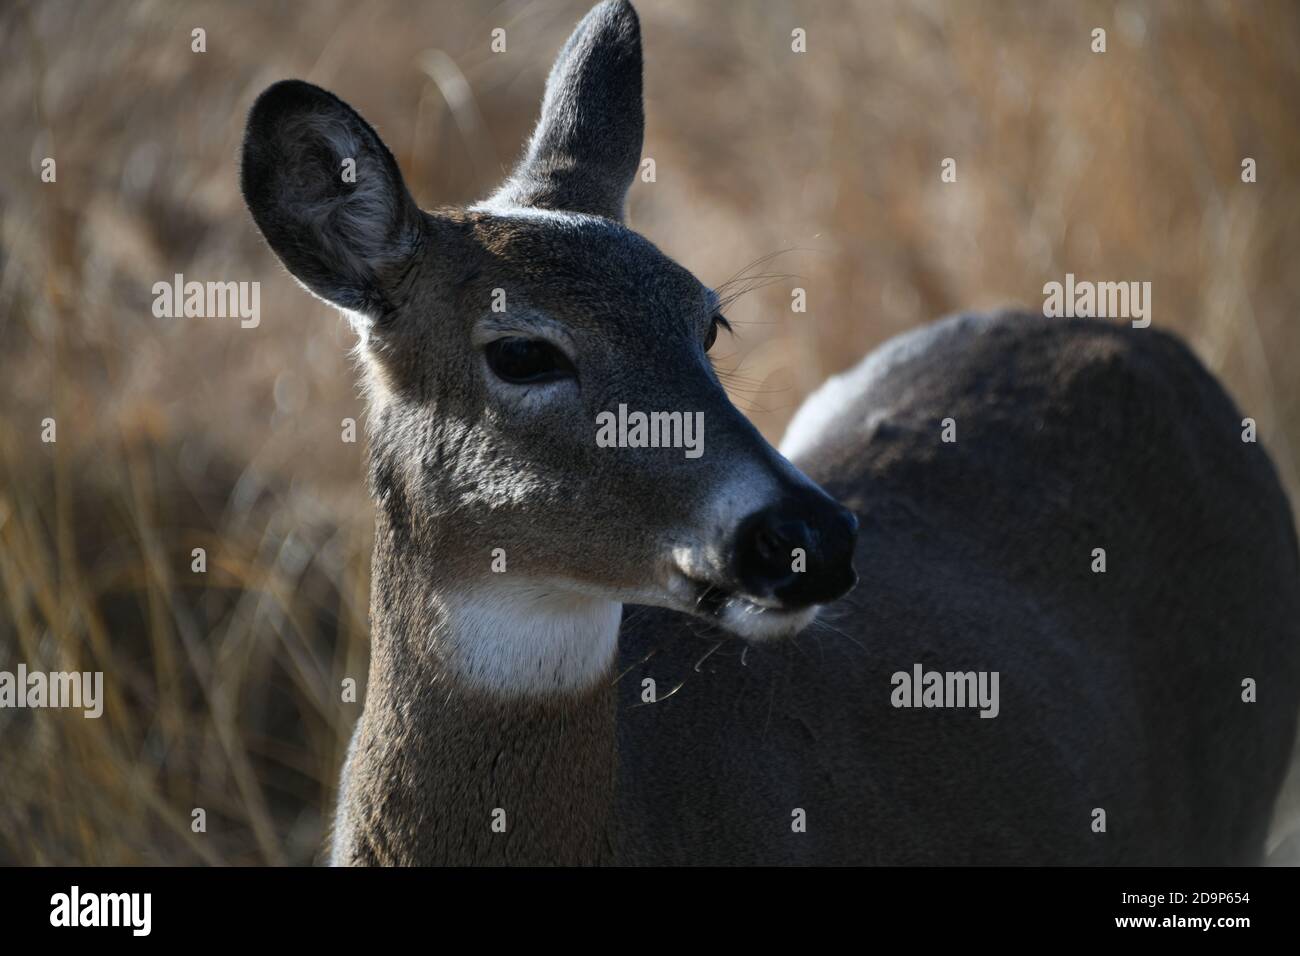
column 595, row 655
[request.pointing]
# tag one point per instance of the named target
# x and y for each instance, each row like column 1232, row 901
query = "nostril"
column 767, row 544
column 764, row 547
column 777, row 538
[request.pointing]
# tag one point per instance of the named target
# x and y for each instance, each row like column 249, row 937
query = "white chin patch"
column 756, row 623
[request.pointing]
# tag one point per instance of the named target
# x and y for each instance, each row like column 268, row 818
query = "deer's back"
column 1119, row 691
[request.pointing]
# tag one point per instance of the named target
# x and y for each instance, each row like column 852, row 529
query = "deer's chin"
column 751, row 618
column 756, row 622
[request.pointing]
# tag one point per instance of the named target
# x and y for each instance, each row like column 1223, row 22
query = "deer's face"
column 542, row 404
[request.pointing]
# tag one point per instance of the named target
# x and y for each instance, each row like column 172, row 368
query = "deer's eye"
column 527, row 361
column 718, row 321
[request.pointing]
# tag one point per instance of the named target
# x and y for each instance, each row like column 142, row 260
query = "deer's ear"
column 587, row 145
column 328, row 197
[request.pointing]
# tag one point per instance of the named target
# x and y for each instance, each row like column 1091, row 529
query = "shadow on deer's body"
column 508, row 541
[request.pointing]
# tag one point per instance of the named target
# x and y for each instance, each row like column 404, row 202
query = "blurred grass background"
column 224, row 688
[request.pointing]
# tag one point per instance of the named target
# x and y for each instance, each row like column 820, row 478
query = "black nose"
column 798, row 551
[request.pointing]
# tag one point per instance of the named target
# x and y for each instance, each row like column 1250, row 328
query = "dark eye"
column 718, row 321
column 527, row 361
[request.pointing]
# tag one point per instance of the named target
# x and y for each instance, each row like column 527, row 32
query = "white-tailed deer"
column 1074, row 632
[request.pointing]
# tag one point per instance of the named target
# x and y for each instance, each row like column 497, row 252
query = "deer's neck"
column 488, row 730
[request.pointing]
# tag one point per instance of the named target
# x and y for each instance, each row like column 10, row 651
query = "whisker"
column 707, row 656
column 819, row 622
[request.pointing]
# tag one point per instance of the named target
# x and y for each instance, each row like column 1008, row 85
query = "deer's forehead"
column 586, row 262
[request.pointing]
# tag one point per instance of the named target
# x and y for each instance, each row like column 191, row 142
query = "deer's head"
column 498, row 344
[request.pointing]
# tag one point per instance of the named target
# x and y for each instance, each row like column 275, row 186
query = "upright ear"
column 328, row 197
column 587, row 144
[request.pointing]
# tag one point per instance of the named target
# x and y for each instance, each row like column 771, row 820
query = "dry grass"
column 175, row 434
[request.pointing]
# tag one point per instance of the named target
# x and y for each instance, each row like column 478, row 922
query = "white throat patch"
column 530, row 638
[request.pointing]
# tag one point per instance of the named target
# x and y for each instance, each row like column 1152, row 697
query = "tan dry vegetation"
column 174, row 434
